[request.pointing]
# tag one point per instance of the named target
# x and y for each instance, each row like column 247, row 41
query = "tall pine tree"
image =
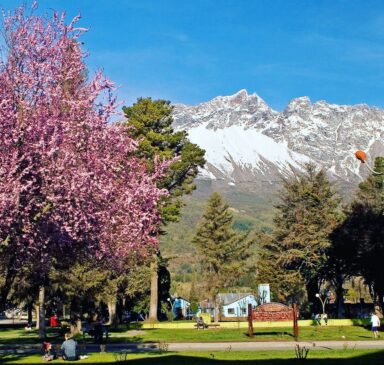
column 150, row 123
column 223, row 252
column 365, row 232
column 307, row 214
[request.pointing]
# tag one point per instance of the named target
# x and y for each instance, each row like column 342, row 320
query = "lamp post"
column 171, row 303
column 323, row 301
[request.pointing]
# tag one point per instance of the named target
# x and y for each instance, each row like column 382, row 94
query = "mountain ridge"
column 244, row 138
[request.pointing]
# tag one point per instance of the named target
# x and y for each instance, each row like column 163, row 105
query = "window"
column 244, row 310
column 231, row 310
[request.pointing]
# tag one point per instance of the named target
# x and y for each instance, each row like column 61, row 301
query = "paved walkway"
column 209, row 346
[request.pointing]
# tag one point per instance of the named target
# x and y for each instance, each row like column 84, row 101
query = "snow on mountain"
column 245, row 139
column 237, row 147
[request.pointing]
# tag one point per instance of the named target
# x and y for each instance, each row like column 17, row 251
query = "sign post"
column 250, row 318
column 270, row 312
column 295, row 323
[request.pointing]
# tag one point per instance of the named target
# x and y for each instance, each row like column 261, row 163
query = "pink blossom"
column 69, row 181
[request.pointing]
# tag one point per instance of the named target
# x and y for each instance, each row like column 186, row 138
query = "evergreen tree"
column 150, row 123
column 365, row 232
column 305, row 218
column 286, row 285
column 341, row 263
column 223, row 252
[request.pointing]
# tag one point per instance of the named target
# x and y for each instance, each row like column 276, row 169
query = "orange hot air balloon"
column 360, row 155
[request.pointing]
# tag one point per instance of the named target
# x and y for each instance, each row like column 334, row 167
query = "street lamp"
column 323, row 301
column 171, row 303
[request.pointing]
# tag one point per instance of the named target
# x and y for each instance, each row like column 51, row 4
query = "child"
column 48, row 351
column 375, row 321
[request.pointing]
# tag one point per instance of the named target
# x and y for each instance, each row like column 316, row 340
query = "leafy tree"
column 223, row 252
column 364, row 231
column 194, row 296
column 150, row 123
column 69, row 181
column 341, row 264
column 286, row 286
column 138, row 288
column 305, row 218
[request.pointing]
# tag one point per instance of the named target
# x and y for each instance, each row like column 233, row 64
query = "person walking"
column 375, row 321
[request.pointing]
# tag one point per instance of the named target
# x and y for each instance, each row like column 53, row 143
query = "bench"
column 204, row 326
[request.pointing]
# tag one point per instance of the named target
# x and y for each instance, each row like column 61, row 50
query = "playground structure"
column 271, row 312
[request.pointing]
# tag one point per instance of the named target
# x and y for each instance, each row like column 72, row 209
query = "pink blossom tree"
column 69, row 181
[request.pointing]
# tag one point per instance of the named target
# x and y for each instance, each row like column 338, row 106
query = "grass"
column 323, row 333
column 342, row 333
column 323, row 357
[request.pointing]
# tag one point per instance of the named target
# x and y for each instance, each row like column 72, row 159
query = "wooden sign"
column 270, row 312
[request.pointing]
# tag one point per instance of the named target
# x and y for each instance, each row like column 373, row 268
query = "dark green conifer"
column 150, row 123
column 222, row 251
column 306, row 216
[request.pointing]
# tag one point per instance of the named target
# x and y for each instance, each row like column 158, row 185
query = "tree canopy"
column 222, row 251
column 150, row 123
column 307, row 214
column 70, row 183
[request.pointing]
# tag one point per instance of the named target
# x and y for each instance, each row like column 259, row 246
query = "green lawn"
column 342, row 333
column 324, row 357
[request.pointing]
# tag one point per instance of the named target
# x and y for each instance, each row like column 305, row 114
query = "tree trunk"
column 154, row 303
column 30, row 309
column 37, row 316
column 380, row 302
column 113, row 320
column 41, row 315
column 339, row 298
column 313, row 289
column 5, row 289
column 216, row 310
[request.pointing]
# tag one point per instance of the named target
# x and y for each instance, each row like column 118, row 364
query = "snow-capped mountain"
column 246, row 140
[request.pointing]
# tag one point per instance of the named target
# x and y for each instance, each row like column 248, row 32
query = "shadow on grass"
column 29, row 337
column 271, row 333
column 375, row 358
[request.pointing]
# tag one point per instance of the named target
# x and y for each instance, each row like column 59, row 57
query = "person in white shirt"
column 375, row 320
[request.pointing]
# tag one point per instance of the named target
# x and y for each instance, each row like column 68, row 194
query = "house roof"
column 229, row 298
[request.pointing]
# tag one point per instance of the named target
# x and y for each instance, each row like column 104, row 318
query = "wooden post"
column 295, row 323
column 250, row 323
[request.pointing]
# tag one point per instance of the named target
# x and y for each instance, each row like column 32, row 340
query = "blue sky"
column 191, row 51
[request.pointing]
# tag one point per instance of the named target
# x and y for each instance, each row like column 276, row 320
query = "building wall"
column 239, row 308
column 182, row 305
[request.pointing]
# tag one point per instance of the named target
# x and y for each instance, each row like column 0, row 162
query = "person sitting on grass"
column 48, row 351
column 69, row 348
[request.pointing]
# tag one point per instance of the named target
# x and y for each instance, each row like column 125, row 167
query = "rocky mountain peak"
column 300, row 103
column 245, row 139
